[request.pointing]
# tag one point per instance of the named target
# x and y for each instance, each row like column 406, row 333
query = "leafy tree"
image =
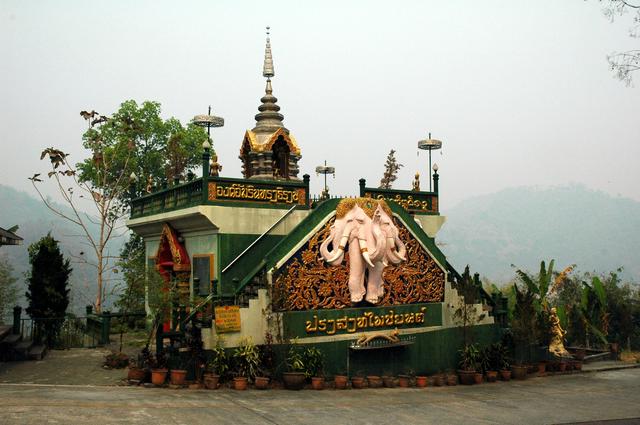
column 134, row 142
column 391, row 168
column 133, row 265
column 8, row 289
column 624, row 64
column 48, row 287
column 466, row 315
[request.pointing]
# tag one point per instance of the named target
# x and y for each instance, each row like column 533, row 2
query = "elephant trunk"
column 339, row 251
column 395, row 256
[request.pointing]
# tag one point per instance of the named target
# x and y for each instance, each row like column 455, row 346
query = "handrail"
column 259, row 237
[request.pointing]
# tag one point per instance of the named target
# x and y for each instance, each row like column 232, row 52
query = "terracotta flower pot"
column 439, row 380
column 542, row 368
column 452, row 379
column 478, row 378
column 340, row 382
column 519, row 371
column 240, row 383
column 293, row 380
column 389, row 381
column 357, row 382
column 261, row 382
column 403, row 381
column 158, row 376
column 505, row 375
column 467, row 377
column 562, row 366
column 211, row 380
column 577, row 365
column 374, row 381
column 177, row 376
column 136, row 374
column 492, row 376
column 422, row 381
column 317, row 383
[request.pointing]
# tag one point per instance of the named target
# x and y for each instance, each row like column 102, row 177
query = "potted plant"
column 216, row 368
column 246, row 360
column 492, row 361
column 158, row 366
column 374, row 381
column 439, row 379
column 422, row 381
column 451, row 377
column 340, row 381
column 404, row 380
column 468, row 364
column 357, row 382
column 139, row 368
column 178, row 374
column 295, row 375
column 388, row 380
column 314, row 362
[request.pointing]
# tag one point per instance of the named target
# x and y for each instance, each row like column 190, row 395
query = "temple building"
column 361, row 278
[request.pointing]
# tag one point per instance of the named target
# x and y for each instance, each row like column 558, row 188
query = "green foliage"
column 219, row 361
column 133, row 266
column 314, row 362
column 136, row 139
column 496, row 357
column 246, row 359
column 470, row 357
column 48, row 292
column 465, row 314
column 295, row 359
column 8, row 290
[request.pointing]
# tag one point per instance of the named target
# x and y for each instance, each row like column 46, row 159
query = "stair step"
column 12, row 339
column 37, row 352
column 4, row 331
column 21, row 349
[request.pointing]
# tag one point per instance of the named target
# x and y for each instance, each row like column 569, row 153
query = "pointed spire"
column 268, row 119
column 267, row 70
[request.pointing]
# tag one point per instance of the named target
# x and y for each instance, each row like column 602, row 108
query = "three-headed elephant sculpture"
column 364, row 227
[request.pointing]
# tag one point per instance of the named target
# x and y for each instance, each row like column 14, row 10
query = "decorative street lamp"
column 325, row 169
column 207, row 121
column 429, row 145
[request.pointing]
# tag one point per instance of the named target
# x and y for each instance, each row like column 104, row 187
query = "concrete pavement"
column 558, row 399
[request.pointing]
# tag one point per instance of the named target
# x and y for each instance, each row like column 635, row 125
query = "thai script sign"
column 227, row 318
column 255, row 193
column 352, row 320
column 412, row 202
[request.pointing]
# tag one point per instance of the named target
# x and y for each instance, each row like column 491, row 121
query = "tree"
column 131, row 149
column 48, row 288
column 391, row 168
column 466, row 314
column 8, row 289
column 623, row 64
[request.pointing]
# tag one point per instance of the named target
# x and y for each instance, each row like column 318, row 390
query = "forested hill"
column 36, row 220
column 522, row 226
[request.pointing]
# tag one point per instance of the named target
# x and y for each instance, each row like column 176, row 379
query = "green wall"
column 431, row 352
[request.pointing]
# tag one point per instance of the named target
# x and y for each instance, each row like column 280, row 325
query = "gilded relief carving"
column 308, row 282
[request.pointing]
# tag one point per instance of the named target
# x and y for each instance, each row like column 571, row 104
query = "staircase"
column 13, row 347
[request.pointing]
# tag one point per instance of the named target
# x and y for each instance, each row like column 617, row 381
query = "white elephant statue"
column 369, row 222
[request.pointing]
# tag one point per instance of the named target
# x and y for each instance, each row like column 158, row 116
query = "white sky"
column 518, row 91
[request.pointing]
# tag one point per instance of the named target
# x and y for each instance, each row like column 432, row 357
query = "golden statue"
column 416, row 183
column 556, row 345
column 214, row 167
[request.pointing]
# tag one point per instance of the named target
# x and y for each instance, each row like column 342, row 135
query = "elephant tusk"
column 340, row 251
column 365, row 252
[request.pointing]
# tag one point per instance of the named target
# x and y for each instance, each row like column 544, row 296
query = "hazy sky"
column 518, row 91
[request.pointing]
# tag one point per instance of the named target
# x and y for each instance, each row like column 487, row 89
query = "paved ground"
column 558, row 399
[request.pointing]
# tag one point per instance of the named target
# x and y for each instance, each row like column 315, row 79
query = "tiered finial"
column 267, row 70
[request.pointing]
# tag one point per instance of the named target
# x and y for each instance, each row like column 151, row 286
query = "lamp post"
column 325, row 169
column 429, row 145
column 207, row 121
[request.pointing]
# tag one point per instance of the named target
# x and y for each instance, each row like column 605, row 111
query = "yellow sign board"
column 227, row 318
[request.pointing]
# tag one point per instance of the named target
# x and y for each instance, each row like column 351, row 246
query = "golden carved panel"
column 307, row 282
